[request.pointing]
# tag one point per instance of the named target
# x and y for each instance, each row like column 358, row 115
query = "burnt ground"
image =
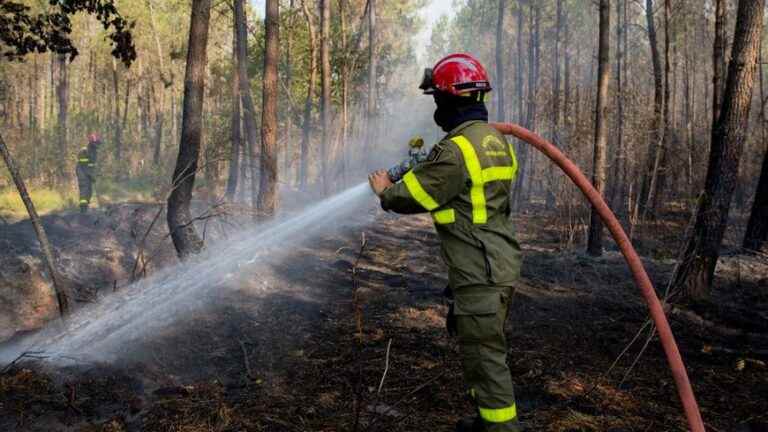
column 298, row 359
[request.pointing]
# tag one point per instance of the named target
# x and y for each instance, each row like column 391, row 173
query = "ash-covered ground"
column 300, row 343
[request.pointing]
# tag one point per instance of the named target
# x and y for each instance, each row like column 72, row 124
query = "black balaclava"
column 454, row 110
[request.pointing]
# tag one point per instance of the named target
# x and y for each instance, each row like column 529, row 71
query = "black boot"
column 470, row 424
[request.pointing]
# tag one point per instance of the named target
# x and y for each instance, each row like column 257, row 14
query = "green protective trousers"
column 85, row 186
column 481, row 313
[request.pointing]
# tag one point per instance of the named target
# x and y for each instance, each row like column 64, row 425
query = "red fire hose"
column 674, row 359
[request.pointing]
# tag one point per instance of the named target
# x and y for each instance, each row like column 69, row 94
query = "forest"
column 189, row 240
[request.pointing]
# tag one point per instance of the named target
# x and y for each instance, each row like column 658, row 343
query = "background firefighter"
column 86, row 170
column 465, row 184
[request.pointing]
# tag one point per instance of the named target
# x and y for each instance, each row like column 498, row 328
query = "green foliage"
column 24, row 32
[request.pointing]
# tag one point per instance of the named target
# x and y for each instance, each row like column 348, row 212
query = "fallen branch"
column 22, row 356
column 386, row 368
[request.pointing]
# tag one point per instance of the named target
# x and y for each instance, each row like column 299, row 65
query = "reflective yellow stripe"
column 498, row 173
column 500, row 415
column 84, row 160
column 514, row 160
column 477, row 193
column 417, row 192
column 84, row 201
column 444, row 217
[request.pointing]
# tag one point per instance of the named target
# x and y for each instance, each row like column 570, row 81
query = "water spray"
column 643, row 282
column 107, row 330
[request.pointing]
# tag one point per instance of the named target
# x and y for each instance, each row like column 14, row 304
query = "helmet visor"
column 427, row 82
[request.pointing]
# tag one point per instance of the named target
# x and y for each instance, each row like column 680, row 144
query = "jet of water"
column 104, row 330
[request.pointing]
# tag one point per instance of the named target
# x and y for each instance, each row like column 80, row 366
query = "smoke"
column 102, row 331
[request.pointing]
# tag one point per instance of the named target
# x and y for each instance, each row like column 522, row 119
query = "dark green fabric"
column 486, row 254
column 86, row 172
column 481, row 313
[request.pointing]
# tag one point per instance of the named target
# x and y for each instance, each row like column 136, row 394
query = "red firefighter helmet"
column 94, row 137
column 457, row 74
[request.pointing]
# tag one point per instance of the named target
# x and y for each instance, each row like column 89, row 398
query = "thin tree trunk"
column 695, row 274
column 500, row 114
column 62, row 94
column 312, row 83
column 718, row 58
column 268, row 172
column 116, row 111
column 566, row 71
column 372, row 72
column 42, row 238
column 325, row 94
column 618, row 177
column 345, row 73
column 655, row 148
column 655, row 189
column 520, row 58
column 180, row 223
column 249, row 109
column 595, row 243
column 235, row 121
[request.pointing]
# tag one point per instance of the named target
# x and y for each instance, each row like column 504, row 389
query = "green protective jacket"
column 465, row 184
column 86, row 162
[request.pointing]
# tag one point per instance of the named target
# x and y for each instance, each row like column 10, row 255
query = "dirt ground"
column 354, row 340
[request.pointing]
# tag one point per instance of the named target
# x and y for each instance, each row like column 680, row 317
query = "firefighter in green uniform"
column 86, row 170
column 465, row 184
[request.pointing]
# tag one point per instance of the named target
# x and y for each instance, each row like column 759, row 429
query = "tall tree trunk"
column 556, row 72
column 520, row 58
column 566, row 71
column 249, row 108
column 166, row 83
column 718, row 58
column 657, row 172
column 595, row 243
column 311, row 84
column 287, row 150
column 180, row 223
column 618, row 190
column 42, row 238
column 655, row 147
column 345, row 76
column 159, row 122
column 116, row 112
column 62, row 95
column 500, row 114
column 325, row 95
column 700, row 253
column 268, row 173
column 372, row 71
column 122, row 125
column 235, row 121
